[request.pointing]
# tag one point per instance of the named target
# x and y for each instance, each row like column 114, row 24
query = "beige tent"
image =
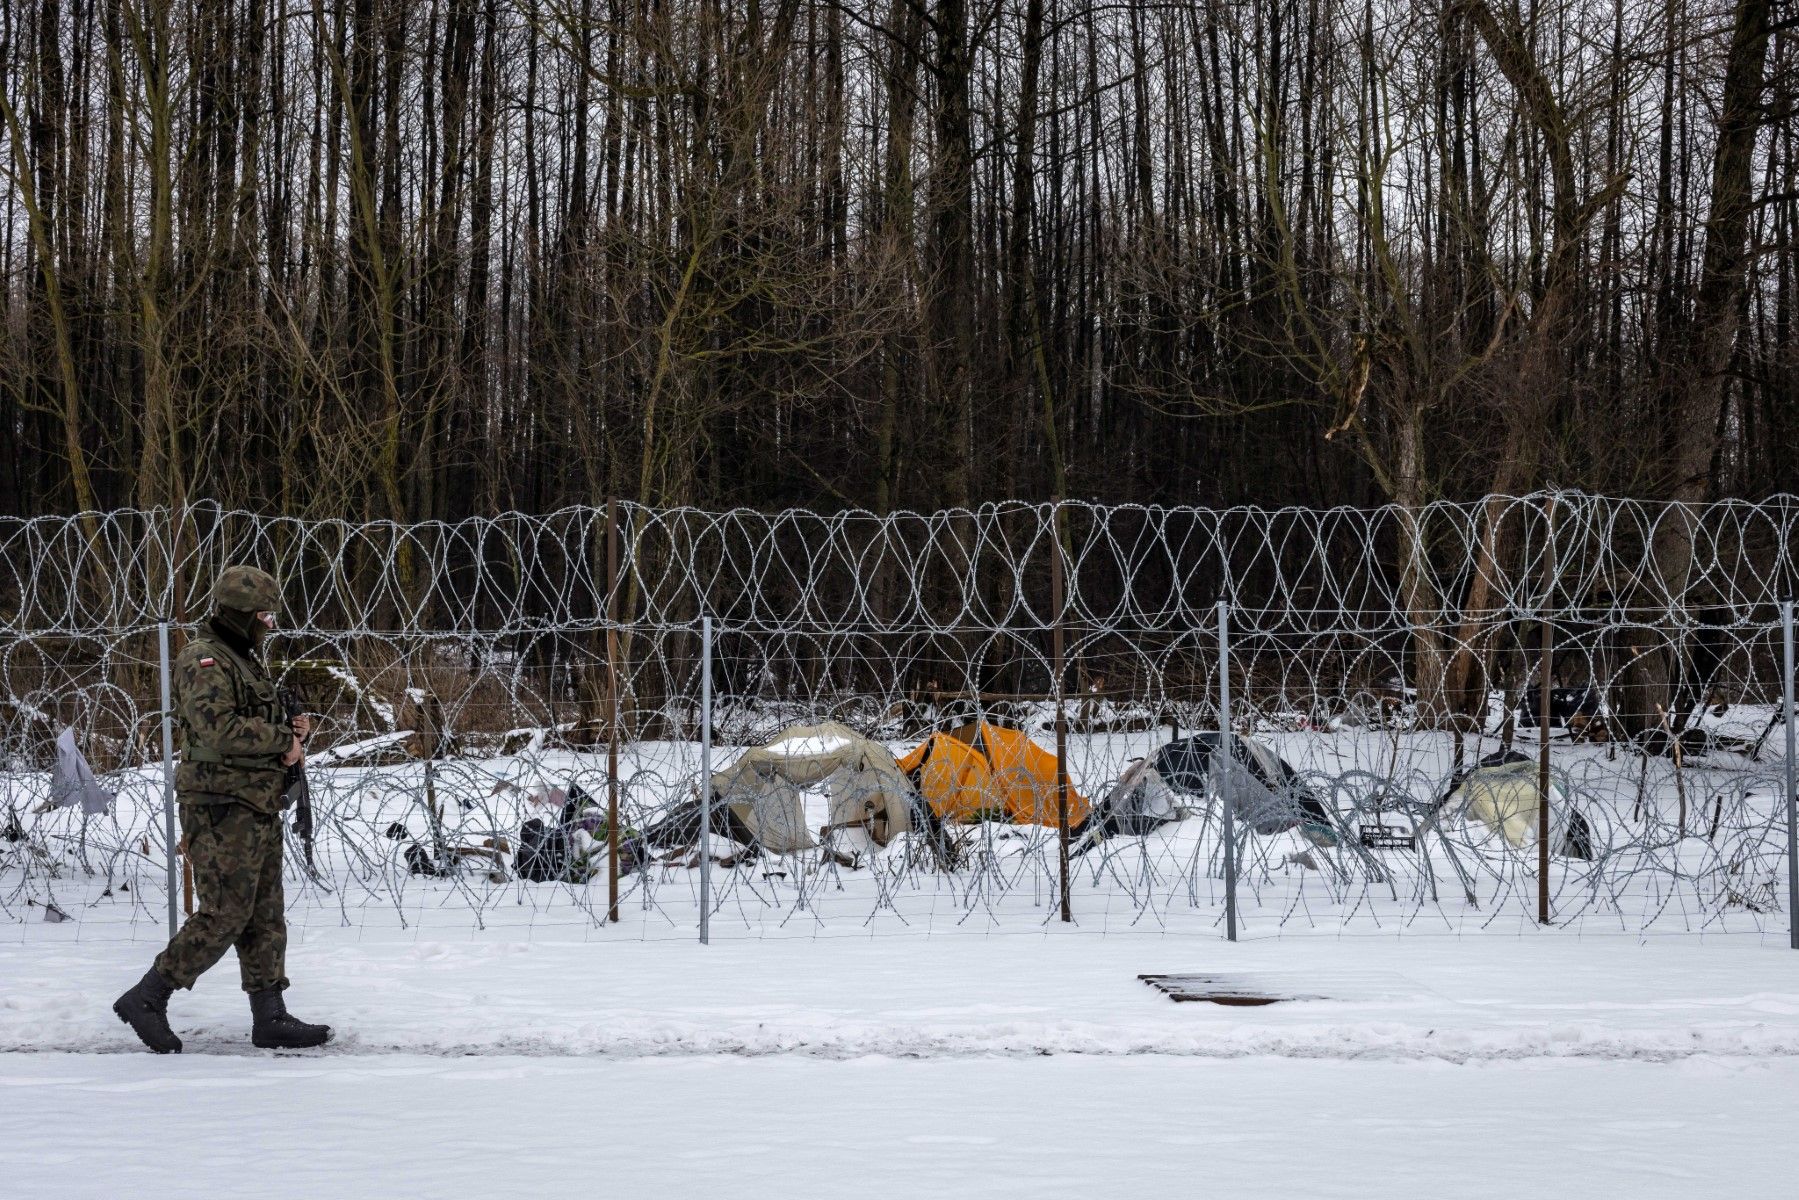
column 865, row 795
column 1501, row 795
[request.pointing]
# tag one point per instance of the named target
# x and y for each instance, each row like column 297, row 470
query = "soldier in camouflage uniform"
column 230, row 787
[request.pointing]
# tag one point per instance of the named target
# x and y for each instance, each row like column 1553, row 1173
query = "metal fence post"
column 1224, row 774
column 1786, row 633
column 1545, row 700
column 612, row 714
column 1056, row 605
column 168, row 768
column 705, row 780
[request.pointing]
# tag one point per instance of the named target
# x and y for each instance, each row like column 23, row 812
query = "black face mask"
column 241, row 630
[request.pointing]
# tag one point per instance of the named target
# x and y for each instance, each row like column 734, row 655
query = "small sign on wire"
column 1387, row 837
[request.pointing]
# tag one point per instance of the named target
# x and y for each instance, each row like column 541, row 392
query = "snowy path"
column 77, row 1126
column 910, row 1067
column 1397, row 999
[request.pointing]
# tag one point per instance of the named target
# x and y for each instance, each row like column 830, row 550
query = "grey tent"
column 1266, row 793
column 1140, row 802
column 764, row 791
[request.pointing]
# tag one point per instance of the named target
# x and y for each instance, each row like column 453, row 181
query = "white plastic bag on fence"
column 72, row 779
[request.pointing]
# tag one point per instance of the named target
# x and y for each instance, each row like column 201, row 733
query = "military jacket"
column 233, row 725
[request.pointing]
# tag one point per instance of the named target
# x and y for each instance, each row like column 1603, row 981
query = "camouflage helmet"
column 246, row 589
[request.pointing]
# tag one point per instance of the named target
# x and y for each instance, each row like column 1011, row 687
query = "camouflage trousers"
column 236, row 857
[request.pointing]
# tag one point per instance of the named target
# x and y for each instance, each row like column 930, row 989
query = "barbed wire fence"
column 1554, row 708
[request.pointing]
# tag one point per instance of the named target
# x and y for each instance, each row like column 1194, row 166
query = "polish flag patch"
column 207, row 662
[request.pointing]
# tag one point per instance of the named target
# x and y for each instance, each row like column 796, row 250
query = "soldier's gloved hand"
column 294, row 754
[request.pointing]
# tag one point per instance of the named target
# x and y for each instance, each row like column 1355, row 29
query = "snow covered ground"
column 1006, row 1065
column 80, row 1126
column 910, row 1033
column 1409, row 998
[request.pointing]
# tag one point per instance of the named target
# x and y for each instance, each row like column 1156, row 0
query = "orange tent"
column 986, row 769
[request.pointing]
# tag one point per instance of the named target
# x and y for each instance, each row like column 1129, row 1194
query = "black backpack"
column 543, row 852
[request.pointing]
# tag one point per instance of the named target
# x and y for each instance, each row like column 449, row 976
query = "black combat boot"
column 146, row 1009
column 275, row 1029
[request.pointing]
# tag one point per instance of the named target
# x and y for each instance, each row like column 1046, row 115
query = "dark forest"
column 416, row 259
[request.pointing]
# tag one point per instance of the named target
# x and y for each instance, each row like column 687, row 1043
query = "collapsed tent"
column 864, row 790
column 1140, row 803
column 761, row 799
column 983, row 771
column 1501, row 794
column 1266, row 793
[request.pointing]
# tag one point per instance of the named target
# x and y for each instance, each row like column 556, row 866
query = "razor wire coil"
column 466, row 667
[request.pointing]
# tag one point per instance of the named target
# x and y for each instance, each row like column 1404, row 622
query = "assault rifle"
column 294, row 788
